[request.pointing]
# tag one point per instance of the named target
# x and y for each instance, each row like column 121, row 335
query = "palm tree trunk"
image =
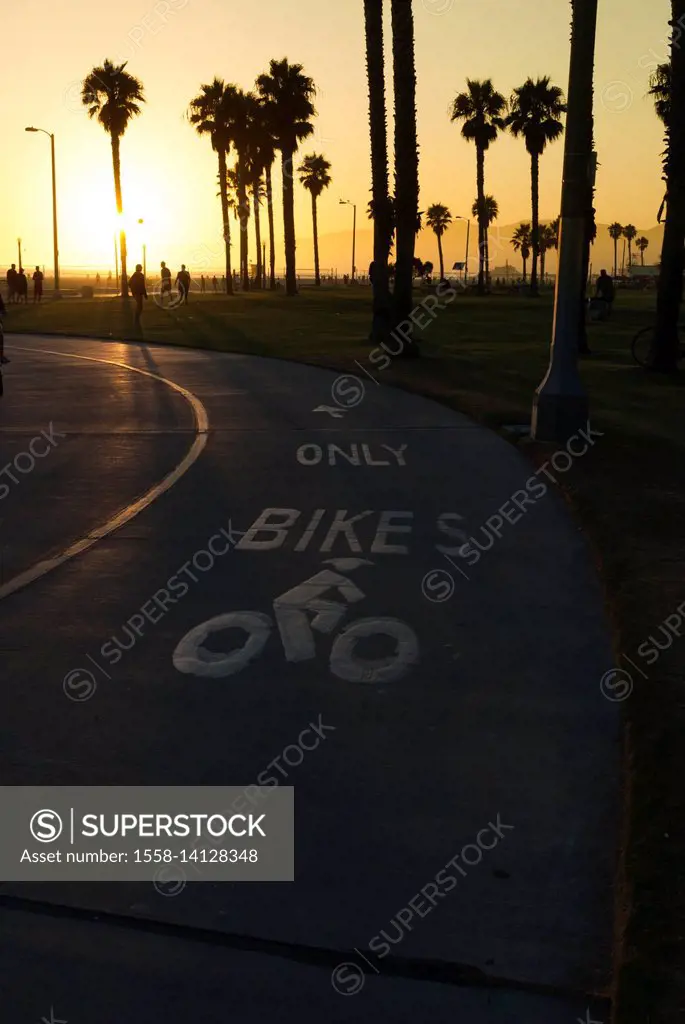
column 382, row 227
column 482, row 231
column 642, row 257
column 287, row 162
column 665, row 347
column 256, row 185
column 272, row 233
column 543, row 257
column 442, row 261
column 315, row 219
column 116, row 165
column 406, row 157
column 615, row 257
column 223, row 188
column 243, row 210
column 535, row 232
column 525, row 271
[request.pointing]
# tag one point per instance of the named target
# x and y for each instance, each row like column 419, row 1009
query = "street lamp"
column 346, row 202
column 54, row 206
column 468, row 239
column 141, row 221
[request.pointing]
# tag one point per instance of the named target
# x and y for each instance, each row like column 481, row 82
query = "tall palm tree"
column 642, row 244
column 660, row 90
column 486, row 211
column 406, row 158
column 315, row 176
column 289, row 93
column 616, row 232
column 268, row 151
column 521, row 243
column 241, row 112
column 481, row 110
column 549, row 239
column 207, row 113
column 536, row 107
column 260, row 153
column 665, row 346
column 379, row 207
column 439, row 218
column 114, row 97
column 630, row 234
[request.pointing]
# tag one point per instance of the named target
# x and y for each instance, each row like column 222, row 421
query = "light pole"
column 54, row 206
column 141, row 221
column 468, row 239
column 19, row 252
column 561, row 405
column 346, row 202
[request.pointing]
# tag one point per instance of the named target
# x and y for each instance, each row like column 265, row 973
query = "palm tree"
column 549, row 239
column 486, row 211
column 268, row 151
column 241, row 111
column 481, row 110
column 207, row 113
column 616, row 232
column 536, row 107
column 314, row 175
column 660, row 90
column 439, row 218
column 406, row 158
column 114, row 97
column 379, row 207
column 289, row 93
column 260, row 157
column 630, row 233
column 521, row 243
column 666, row 344
column 642, row 244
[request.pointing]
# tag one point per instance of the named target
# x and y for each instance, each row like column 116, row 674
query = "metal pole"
column 19, row 251
column 54, row 217
column 466, row 261
column 116, row 260
column 354, row 242
column 144, row 260
column 561, row 407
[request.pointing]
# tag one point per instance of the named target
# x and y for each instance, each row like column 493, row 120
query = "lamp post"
column 346, row 202
column 141, row 221
column 19, row 252
column 468, row 239
column 54, row 206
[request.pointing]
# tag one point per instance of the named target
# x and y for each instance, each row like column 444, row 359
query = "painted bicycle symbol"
column 299, row 613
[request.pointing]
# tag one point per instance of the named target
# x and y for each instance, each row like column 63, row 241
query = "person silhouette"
column 12, row 283
column 138, row 290
column 183, row 282
column 22, row 286
column 214, row 283
column 37, row 285
column 166, row 281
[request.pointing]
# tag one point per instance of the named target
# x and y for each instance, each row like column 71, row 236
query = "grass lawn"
column 485, row 357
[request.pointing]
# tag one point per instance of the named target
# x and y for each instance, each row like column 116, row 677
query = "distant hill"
column 336, row 248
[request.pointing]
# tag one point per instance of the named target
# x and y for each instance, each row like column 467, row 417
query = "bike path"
column 499, row 714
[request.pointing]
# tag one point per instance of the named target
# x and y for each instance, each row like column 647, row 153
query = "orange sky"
column 170, row 174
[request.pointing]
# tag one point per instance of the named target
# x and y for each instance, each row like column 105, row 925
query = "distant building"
column 506, row 273
column 637, row 271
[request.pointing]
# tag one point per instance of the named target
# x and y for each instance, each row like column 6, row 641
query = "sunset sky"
column 169, row 174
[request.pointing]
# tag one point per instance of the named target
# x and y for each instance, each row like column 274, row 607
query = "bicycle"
column 642, row 347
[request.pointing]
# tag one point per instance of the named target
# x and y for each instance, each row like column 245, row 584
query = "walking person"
column 12, row 283
column 183, row 284
column 202, row 283
column 22, row 286
column 37, row 285
column 214, row 283
column 138, row 290
column 166, row 281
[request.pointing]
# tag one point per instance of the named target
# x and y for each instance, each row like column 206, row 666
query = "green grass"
column 485, row 357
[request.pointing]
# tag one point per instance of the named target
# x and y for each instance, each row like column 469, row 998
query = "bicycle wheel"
column 642, row 346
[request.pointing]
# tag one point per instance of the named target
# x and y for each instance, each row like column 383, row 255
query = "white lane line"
column 131, row 511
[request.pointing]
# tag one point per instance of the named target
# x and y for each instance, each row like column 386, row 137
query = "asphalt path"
column 474, row 703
